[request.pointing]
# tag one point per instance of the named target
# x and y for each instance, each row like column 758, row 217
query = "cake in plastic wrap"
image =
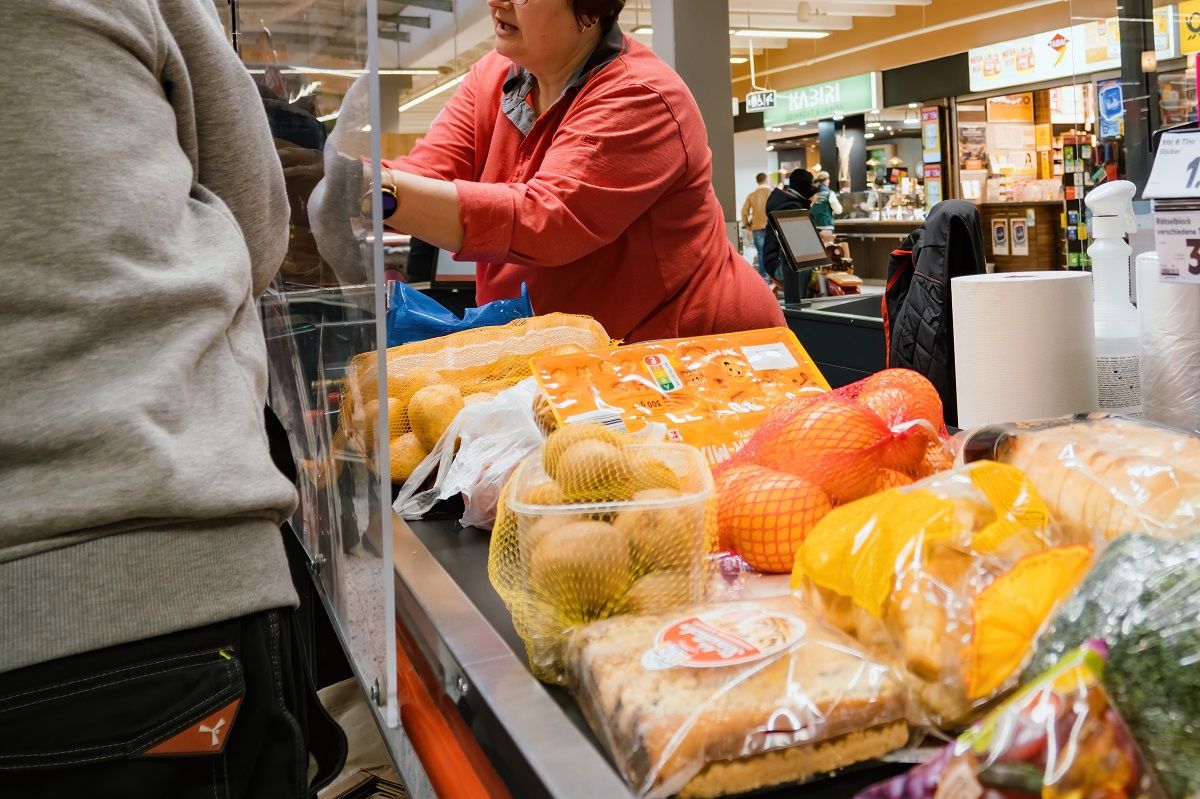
column 727, row 698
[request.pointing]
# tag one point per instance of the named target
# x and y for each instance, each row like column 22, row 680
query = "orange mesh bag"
column 594, row 525
column 950, row 577
column 813, row 454
column 429, row 382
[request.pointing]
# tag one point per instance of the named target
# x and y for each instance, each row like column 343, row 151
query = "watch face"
column 390, row 204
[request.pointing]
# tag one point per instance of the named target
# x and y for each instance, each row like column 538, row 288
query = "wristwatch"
column 390, row 201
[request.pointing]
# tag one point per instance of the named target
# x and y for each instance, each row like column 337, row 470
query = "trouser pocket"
column 149, row 727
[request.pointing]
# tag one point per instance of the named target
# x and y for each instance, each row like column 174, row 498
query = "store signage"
column 854, row 95
column 1175, row 187
column 1189, row 26
column 1063, row 53
column 1112, row 108
column 933, row 185
column 1020, row 236
column 1176, row 172
column 1010, row 108
column 931, row 135
column 759, row 101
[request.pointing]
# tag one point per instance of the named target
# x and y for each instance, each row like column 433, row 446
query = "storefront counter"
column 871, row 241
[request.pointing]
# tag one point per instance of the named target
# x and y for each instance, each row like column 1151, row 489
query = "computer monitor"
column 799, row 239
column 451, row 274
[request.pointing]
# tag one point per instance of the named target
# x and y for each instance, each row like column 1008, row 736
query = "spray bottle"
column 1117, row 347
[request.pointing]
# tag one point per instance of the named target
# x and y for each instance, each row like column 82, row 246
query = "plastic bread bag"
column 813, row 454
column 413, row 316
column 712, row 392
column 727, row 698
column 1143, row 599
column 429, row 382
column 1102, row 476
column 594, row 524
column 950, row 577
column 475, row 457
column 1059, row 737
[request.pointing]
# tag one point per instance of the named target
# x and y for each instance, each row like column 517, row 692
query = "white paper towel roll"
column 1170, row 321
column 1024, row 346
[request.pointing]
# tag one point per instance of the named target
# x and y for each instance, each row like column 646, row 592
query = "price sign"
column 1176, row 173
column 759, row 101
column 1177, row 240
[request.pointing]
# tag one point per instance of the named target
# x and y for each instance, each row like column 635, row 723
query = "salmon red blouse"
column 603, row 205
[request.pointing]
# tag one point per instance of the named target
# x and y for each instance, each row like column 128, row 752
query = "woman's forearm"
column 428, row 209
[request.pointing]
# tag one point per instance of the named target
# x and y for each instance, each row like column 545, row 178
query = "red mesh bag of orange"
column 813, row 454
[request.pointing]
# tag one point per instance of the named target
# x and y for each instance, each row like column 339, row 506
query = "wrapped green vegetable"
column 1143, row 598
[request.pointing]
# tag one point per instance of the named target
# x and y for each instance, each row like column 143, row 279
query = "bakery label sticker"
column 725, row 637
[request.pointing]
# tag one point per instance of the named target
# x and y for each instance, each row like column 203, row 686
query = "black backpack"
column 918, row 320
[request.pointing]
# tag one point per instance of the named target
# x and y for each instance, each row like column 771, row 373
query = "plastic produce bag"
column 429, row 382
column 1102, row 476
column 813, row 454
column 412, row 316
column 1143, row 598
column 594, row 524
column 1058, row 738
column 492, row 437
column 712, row 392
column 952, row 577
column 731, row 697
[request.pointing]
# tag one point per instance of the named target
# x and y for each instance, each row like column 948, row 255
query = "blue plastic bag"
column 412, row 316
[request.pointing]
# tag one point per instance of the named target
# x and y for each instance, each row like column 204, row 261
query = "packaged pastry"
column 950, row 578
column 728, row 698
column 712, row 392
column 1102, row 476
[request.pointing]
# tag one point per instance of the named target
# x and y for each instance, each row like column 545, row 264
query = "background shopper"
column 149, row 644
column 826, row 204
column 797, row 196
column 754, row 219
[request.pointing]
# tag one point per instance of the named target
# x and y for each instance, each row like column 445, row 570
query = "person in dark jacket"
column 797, row 195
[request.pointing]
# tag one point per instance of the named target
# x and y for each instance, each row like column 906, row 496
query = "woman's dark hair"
column 604, row 10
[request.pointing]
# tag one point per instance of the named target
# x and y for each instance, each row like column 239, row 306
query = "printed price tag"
column 1176, row 172
column 1177, row 240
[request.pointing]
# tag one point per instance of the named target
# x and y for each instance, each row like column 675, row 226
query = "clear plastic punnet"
column 729, row 698
column 596, row 524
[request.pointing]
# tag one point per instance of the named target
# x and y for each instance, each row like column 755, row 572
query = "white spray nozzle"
column 1112, row 209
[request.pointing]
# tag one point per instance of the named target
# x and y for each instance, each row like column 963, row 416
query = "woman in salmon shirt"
column 573, row 160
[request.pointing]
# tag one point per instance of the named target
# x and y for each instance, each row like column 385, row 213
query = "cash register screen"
column 452, row 274
column 799, row 239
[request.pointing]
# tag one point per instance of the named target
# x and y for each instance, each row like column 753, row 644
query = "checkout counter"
column 871, row 241
column 844, row 335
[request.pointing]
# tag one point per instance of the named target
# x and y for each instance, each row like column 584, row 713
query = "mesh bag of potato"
column 1103, row 476
column 597, row 524
column 951, row 577
column 814, row 454
column 429, row 382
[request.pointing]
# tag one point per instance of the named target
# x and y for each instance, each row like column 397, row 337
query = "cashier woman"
column 573, row 160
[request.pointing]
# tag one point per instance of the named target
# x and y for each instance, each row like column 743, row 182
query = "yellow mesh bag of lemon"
column 596, row 524
column 950, row 577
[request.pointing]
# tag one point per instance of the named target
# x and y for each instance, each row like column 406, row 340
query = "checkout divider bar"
column 468, row 668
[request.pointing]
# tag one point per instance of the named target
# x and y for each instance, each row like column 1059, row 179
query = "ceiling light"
column 646, row 29
column 778, row 33
column 737, row 59
column 910, row 117
column 873, row 120
column 874, row 110
column 434, row 92
column 868, row 135
column 914, row 105
column 838, row 117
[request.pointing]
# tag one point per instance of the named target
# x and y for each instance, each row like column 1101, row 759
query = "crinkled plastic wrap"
column 950, row 577
column 597, row 524
column 1143, row 599
column 1102, row 476
column 413, row 316
column 727, row 698
column 1060, row 737
column 429, row 382
column 813, row 454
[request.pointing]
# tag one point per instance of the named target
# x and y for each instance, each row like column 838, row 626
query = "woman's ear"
column 588, row 21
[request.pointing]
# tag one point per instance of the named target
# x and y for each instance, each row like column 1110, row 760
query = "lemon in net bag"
column 596, row 524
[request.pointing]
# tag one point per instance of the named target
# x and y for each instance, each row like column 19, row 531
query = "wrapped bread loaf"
column 727, row 698
column 1103, row 476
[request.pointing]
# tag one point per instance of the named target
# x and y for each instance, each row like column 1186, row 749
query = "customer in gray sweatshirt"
column 145, row 600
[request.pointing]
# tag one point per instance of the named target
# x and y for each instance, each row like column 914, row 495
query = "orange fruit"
column 888, row 479
column 902, row 395
column 766, row 515
column 729, row 480
column 832, row 442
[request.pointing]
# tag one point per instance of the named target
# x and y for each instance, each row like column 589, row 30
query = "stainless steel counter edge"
column 561, row 757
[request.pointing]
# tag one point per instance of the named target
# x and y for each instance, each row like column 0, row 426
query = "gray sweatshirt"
column 142, row 212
